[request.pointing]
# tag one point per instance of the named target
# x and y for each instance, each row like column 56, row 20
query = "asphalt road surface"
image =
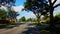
column 16, row 30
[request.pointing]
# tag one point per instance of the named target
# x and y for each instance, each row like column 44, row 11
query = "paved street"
column 16, row 30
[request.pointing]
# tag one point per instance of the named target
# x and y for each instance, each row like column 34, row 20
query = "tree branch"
column 54, row 2
column 57, row 5
column 49, row 1
column 34, row 11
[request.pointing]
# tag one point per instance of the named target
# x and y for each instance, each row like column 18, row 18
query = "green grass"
column 5, row 25
column 13, row 23
column 45, row 32
column 36, row 23
column 48, row 30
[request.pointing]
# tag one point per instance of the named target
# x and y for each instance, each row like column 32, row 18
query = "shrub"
column 37, row 23
column 48, row 21
column 13, row 23
column 57, row 18
column 4, row 25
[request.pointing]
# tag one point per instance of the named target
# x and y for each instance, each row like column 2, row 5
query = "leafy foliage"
column 3, row 14
column 12, row 14
column 52, row 6
column 48, row 21
column 29, row 19
column 22, row 19
column 37, row 7
column 57, row 16
column 4, row 2
column 57, row 19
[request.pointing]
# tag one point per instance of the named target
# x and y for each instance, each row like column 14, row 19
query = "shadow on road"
column 36, row 30
column 32, row 30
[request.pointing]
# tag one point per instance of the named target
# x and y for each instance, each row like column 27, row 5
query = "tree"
column 46, row 16
column 29, row 19
column 3, row 14
column 57, row 19
column 9, row 2
column 57, row 16
column 12, row 14
column 22, row 18
column 51, row 9
column 36, row 6
column 32, row 19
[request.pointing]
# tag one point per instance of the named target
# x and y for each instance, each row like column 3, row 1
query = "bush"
column 13, row 23
column 4, row 25
column 57, row 18
column 48, row 21
column 37, row 23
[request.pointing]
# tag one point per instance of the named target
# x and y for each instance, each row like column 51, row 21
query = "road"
column 16, row 30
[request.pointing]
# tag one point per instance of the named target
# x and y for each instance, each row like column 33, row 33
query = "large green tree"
column 36, row 6
column 22, row 19
column 12, row 14
column 3, row 14
column 52, row 6
column 57, row 19
column 29, row 19
column 7, row 3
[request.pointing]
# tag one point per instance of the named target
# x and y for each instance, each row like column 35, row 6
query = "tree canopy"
column 22, row 18
column 3, row 14
column 12, row 14
column 38, row 7
column 10, row 2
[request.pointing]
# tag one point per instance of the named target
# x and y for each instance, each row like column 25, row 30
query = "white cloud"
column 18, row 8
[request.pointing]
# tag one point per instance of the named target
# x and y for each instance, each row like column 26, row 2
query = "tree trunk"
column 51, row 20
column 51, row 15
column 38, row 19
column 15, row 20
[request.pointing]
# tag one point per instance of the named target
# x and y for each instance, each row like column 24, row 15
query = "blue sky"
column 19, row 5
column 19, row 2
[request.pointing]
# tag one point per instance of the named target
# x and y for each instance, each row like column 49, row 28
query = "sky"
column 19, row 6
